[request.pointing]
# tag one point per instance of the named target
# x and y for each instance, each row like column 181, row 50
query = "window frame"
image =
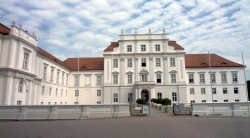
column 191, row 78
column 129, row 48
column 99, row 92
column 143, row 48
column 236, row 90
column 191, row 90
column 213, row 78
column 26, row 59
column 115, row 63
column 20, row 87
column 224, row 90
column 98, row 80
column 158, row 78
column 173, row 78
column 115, row 79
column 157, row 47
column 174, row 96
column 130, row 78
column 158, row 62
column 234, row 77
column 223, row 77
column 214, row 91
column 202, row 78
column 144, row 77
column 203, row 90
column 159, row 95
column 172, row 62
column 129, row 62
column 144, row 62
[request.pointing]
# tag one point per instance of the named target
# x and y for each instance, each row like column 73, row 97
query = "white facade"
column 144, row 65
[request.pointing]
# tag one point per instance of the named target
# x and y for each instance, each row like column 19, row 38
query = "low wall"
column 46, row 112
column 221, row 109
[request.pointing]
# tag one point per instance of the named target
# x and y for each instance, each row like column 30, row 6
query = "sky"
column 67, row 28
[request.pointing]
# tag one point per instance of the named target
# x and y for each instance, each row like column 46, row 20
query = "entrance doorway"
column 145, row 94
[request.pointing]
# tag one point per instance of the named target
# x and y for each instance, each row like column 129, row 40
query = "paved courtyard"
column 130, row 127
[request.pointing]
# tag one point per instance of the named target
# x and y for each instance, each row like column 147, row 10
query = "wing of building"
column 142, row 65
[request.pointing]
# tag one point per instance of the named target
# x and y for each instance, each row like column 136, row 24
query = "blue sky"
column 66, row 28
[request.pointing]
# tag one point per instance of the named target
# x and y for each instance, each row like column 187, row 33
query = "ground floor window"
column 214, row 101
column 98, row 102
column 159, row 95
column 203, row 101
column 174, row 96
column 192, row 101
column 237, row 100
column 225, row 100
column 115, row 97
column 19, row 102
column 130, row 99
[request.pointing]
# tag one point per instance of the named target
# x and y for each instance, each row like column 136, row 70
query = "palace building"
column 142, row 65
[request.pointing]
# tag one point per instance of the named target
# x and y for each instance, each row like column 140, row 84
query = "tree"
column 159, row 101
column 153, row 100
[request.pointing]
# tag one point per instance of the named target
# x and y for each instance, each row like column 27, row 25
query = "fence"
column 220, row 109
column 47, row 112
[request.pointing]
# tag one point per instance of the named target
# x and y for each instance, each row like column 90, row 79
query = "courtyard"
column 128, row 127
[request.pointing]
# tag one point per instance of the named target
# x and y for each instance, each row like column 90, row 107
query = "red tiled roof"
column 202, row 61
column 88, row 63
column 171, row 43
column 4, row 30
column 50, row 57
column 175, row 45
column 112, row 46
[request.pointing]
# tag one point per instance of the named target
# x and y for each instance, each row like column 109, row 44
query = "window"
column 236, row 90
column 50, row 91
column 76, row 92
column 61, row 103
column 61, row 92
column 115, row 97
column 130, row 97
column 202, row 78
column 55, row 103
column 76, row 102
column 203, row 101
column 158, row 62
column 129, row 78
column 174, row 96
column 129, row 62
column 225, row 100
column 203, row 91
column 65, row 102
column 224, row 90
column 115, row 63
column 44, row 72
column 98, row 80
column 20, row 86
column 115, row 79
column 43, row 87
column 224, row 78
column 77, row 80
column 67, row 77
column 214, row 90
column 48, row 103
column 213, row 79
column 129, row 48
column 98, row 102
column 144, row 77
column 62, row 77
column 143, row 62
column 143, row 47
column 19, row 102
column 173, row 78
column 192, row 101
column 158, row 78
column 157, row 48
column 41, row 103
column 172, row 62
column 56, row 92
column 191, row 90
column 57, row 77
column 237, row 100
column 25, row 60
column 159, row 95
column 191, row 78
column 214, row 101
column 52, row 74
column 99, row 93
column 235, row 79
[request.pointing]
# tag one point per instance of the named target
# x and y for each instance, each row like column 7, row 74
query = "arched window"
column 20, row 86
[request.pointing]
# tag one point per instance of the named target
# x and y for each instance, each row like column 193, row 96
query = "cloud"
column 66, row 28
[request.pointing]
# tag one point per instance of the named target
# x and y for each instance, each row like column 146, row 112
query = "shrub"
column 159, row 101
column 141, row 101
column 153, row 100
column 166, row 101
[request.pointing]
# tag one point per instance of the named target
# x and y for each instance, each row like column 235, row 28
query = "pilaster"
column 151, row 68
column 165, row 68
